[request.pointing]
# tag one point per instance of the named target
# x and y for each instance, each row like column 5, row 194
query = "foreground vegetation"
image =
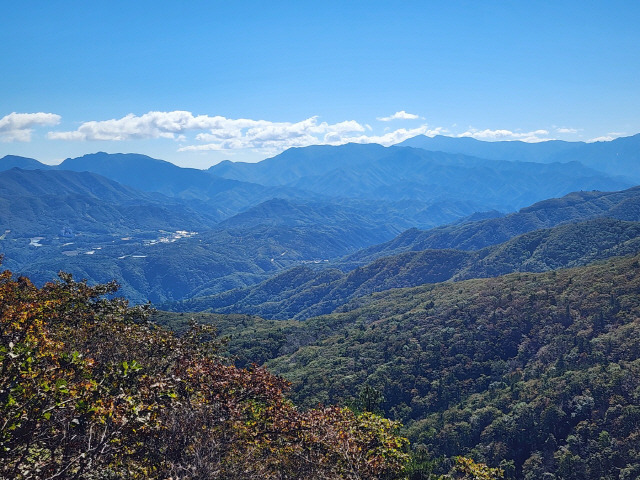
column 536, row 373
column 89, row 389
column 541, row 371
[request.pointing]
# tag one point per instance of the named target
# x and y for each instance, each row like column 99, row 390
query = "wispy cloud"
column 567, row 130
column 273, row 136
column 393, row 137
column 401, row 115
column 487, row 134
column 607, row 138
column 149, row 125
column 215, row 133
column 18, row 127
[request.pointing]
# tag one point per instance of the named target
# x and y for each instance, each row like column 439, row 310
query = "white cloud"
column 17, row 127
column 273, row 136
column 604, row 138
column 567, row 130
column 401, row 115
column 219, row 132
column 278, row 137
column 487, row 134
column 149, row 125
column 392, row 137
column 607, row 138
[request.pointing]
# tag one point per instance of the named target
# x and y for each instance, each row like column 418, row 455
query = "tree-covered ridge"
column 536, row 372
column 89, row 389
column 541, row 370
column 303, row 292
column 43, row 202
column 574, row 207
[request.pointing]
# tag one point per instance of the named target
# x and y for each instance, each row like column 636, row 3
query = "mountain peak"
column 11, row 161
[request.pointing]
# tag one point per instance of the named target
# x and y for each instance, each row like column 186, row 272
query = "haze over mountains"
column 104, row 216
column 450, row 253
column 484, row 294
column 616, row 157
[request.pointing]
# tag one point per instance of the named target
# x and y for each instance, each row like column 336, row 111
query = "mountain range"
column 305, row 292
column 247, row 222
column 484, row 295
column 616, row 157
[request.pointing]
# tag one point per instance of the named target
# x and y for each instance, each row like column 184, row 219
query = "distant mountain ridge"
column 622, row 205
column 36, row 202
column 512, row 150
column 401, row 173
column 355, row 171
column 305, row 292
column 10, row 161
column 153, row 175
column 620, row 156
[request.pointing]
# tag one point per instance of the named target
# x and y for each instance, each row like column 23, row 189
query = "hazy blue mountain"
column 577, row 206
column 617, row 157
column 295, row 163
column 403, row 173
column 145, row 173
column 43, row 202
column 304, row 292
column 33, row 183
column 540, row 152
column 228, row 197
column 11, row 161
column 435, row 187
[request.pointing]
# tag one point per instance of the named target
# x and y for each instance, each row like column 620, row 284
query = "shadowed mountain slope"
column 11, row 161
column 304, row 292
column 401, row 173
column 622, row 205
column 42, row 202
column 616, row 157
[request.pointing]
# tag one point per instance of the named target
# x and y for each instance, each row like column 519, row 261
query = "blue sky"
column 198, row 82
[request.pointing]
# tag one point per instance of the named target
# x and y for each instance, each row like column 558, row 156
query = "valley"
column 457, row 295
column 320, row 240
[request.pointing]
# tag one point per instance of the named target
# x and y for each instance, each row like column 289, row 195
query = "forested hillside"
column 304, row 291
column 535, row 372
column 474, row 235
